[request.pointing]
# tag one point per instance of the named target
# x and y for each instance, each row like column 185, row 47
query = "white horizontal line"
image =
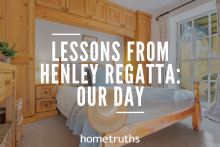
column 64, row 34
column 129, row 112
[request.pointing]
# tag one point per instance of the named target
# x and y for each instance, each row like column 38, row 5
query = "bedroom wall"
column 191, row 10
column 44, row 38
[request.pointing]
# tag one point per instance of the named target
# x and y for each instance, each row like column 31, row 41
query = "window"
column 197, row 55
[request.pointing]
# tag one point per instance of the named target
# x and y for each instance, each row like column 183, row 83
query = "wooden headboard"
column 60, row 62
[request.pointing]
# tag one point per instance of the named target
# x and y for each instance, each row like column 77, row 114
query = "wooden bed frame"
column 148, row 127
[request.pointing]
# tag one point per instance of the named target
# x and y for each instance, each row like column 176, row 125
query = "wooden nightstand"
column 45, row 100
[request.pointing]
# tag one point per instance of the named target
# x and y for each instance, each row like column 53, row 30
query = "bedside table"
column 45, row 100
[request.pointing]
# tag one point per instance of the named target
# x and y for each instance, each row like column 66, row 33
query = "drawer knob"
column 46, row 91
column 46, row 105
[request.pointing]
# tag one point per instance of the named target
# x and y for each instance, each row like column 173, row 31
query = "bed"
column 162, row 107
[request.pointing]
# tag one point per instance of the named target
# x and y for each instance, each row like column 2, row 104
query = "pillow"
column 78, row 76
column 100, row 77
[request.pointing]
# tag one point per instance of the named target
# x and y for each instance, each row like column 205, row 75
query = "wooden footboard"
column 146, row 128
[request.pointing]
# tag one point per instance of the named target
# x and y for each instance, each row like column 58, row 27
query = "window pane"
column 185, row 70
column 185, row 85
column 202, row 48
column 201, row 27
column 186, row 50
column 214, row 65
column 186, row 31
column 203, row 91
column 215, row 50
column 200, row 69
column 213, row 89
column 214, row 23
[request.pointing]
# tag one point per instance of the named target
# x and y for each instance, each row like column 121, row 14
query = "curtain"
column 213, row 112
column 164, row 36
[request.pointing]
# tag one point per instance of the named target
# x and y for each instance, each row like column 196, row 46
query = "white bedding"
column 156, row 102
column 67, row 96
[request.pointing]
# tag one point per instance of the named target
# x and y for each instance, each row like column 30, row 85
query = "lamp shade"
column 39, row 65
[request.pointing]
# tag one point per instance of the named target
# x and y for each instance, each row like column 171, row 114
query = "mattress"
column 156, row 102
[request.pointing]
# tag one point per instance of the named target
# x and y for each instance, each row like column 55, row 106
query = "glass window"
column 203, row 91
column 186, row 50
column 198, row 60
column 214, row 23
column 212, row 91
column 201, row 48
column 185, row 70
column 214, row 46
column 186, row 31
column 185, row 85
column 201, row 27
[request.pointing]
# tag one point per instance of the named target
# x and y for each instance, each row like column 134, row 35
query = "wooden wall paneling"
column 31, row 47
column 53, row 15
column 3, row 20
column 21, row 20
column 114, row 15
column 118, row 6
column 98, row 10
column 78, row 7
column 133, row 56
column 129, row 20
column 55, row 4
column 22, row 86
column 143, row 34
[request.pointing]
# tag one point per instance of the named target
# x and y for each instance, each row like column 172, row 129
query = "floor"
column 52, row 132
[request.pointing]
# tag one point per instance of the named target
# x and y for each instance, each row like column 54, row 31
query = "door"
column 20, row 31
column 98, row 10
column 129, row 20
column 55, row 4
column 114, row 15
column 78, row 7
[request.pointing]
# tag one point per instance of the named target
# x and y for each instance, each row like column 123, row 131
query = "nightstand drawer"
column 43, row 105
column 45, row 91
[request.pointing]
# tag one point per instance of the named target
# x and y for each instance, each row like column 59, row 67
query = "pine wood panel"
column 114, row 15
column 47, row 114
column 82, row 22
column 9, row 95
column 196, row 121
column 3, row 20
column 55, row 4
column 144, row 35
column 98, row 10
column 43, row 105
column 18, row 24
column 118, row 6
column 129, row 20
column 146, row 128
column 22, row 90
column 78, row 7
column 133, row 55
column 21, row 29
column 45, row 91
column 31, row 119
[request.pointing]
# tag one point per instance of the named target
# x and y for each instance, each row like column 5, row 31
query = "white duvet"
column 156, row 102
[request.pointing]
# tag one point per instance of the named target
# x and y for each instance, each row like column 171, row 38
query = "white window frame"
column 204, row 104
